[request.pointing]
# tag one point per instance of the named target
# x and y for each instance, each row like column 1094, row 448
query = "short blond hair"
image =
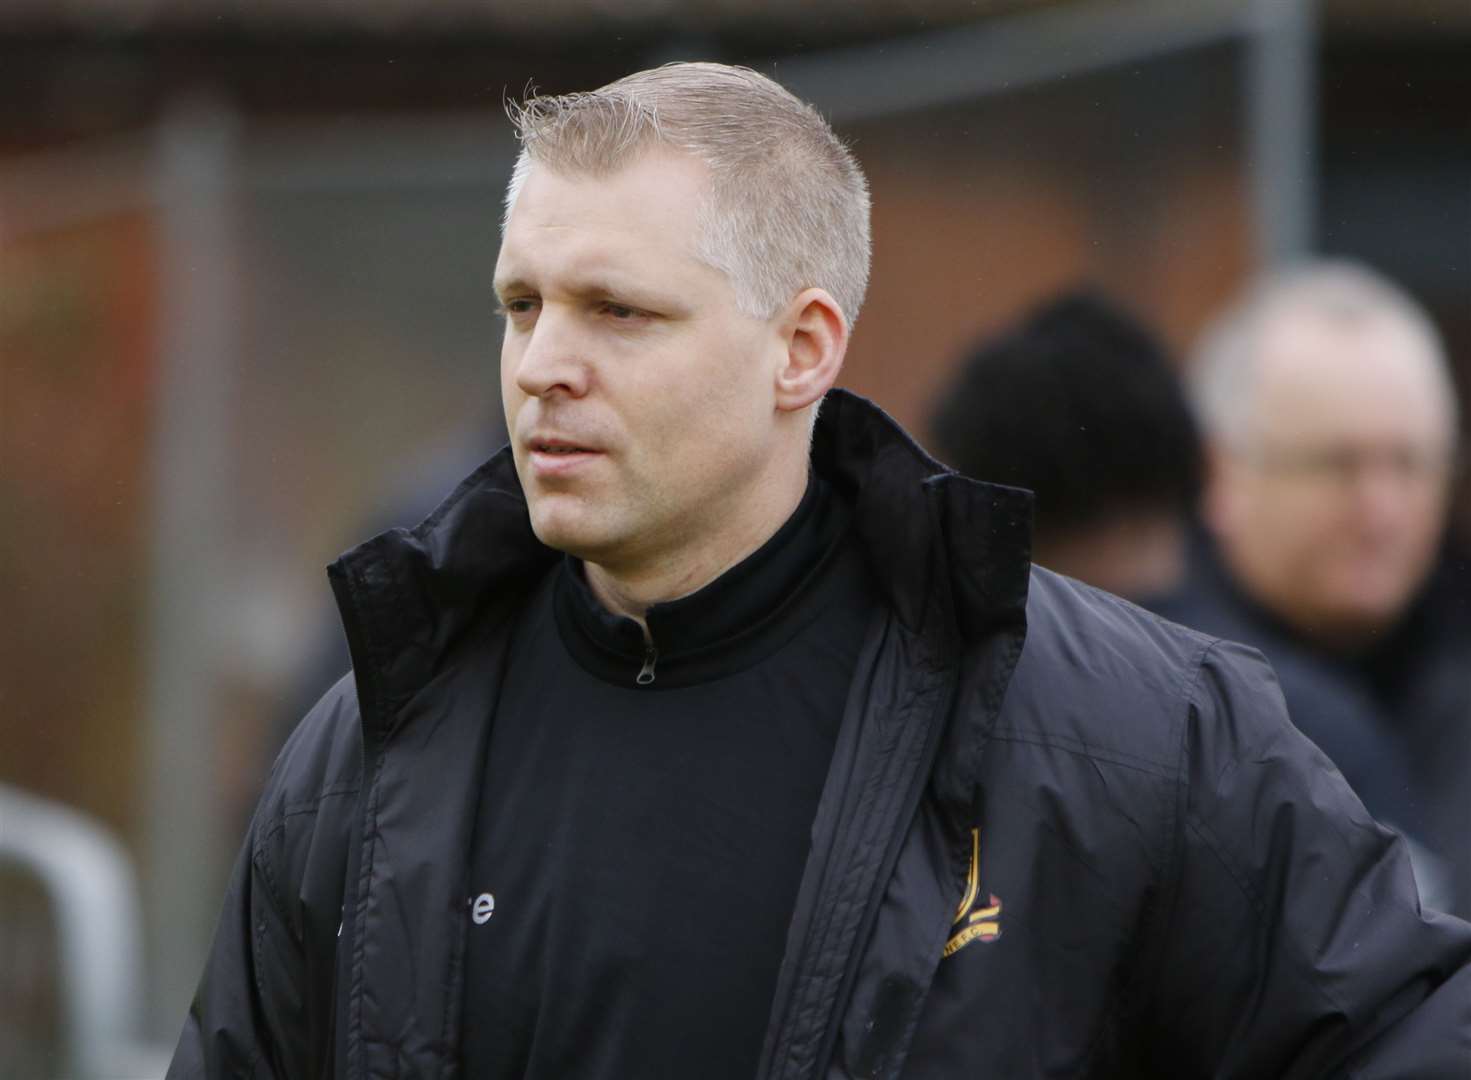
column 788, row 205
column 1221, row 378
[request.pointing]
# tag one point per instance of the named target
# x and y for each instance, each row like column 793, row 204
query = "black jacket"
column 1106, row 854
column 1395, row 719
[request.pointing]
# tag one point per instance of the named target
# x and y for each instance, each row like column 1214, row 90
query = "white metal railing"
column 90, row 885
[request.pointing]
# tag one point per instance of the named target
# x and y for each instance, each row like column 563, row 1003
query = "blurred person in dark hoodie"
column 1331, row 423
column 1079, row 403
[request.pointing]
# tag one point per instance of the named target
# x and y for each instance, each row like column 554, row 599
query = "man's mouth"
column 559, row 448
column 553, row 457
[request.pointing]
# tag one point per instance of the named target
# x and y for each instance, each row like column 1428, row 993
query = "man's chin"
column 1378, row 602
column 1356, row 626
column 576, row 538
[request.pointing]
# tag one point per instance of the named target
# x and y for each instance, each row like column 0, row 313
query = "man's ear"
column 814, row 334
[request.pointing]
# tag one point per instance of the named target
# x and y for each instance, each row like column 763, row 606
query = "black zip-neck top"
column 732, row 622
column 639, row 845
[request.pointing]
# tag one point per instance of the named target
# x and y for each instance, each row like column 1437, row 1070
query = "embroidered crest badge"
column 974, row 923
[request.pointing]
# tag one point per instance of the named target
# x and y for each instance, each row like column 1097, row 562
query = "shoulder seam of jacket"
column 1201, row 829
column 277, row 823
column 306, row 806
column 1173, row 862
column 257, row 933
column 1122, row 758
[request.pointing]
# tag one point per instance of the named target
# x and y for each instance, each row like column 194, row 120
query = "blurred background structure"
column 245, row 304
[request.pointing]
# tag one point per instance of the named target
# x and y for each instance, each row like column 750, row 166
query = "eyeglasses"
column 1342, row 466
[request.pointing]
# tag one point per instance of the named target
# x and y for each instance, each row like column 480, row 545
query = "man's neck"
column 630, row 590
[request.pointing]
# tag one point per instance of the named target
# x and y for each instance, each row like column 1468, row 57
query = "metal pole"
column 195, row 168
column 1281, row 110
column 998, row 55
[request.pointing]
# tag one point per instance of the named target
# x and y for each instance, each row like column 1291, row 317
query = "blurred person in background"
column 408, row 497
column 1079, row 404
column 701, row 735
column 1331, row 420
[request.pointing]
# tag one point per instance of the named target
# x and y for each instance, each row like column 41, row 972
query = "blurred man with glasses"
column 1332, row 429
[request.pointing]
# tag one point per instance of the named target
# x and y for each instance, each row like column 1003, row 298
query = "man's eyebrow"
column 608, row 287
column 593, row 286
column 511, row 283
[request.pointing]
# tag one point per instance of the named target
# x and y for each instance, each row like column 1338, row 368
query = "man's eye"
column 621, row 312
column 521, row 305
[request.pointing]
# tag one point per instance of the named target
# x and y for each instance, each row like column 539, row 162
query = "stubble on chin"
column 565, row 527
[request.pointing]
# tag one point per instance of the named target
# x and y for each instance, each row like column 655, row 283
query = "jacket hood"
column 951, row 554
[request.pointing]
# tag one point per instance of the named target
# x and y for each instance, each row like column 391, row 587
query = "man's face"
column 1331, row 510
column 638, row 398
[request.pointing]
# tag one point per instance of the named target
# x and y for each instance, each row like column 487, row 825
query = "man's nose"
column 1385, row 492
column 554, row 358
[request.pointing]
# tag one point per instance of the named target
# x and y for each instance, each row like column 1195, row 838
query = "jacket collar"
column 950, row 554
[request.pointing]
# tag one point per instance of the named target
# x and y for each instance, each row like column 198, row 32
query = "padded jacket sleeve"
column 238, row 1026
column 1296, row 942
column 264, row 1006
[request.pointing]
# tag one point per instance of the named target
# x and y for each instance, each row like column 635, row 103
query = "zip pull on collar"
column 651, row 657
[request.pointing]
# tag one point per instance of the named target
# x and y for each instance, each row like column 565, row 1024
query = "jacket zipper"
column 916, row 773
column 651, row 657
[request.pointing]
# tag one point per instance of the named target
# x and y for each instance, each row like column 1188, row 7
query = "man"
column 1331, row 421
column 1079, row 404
column 677, row 748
